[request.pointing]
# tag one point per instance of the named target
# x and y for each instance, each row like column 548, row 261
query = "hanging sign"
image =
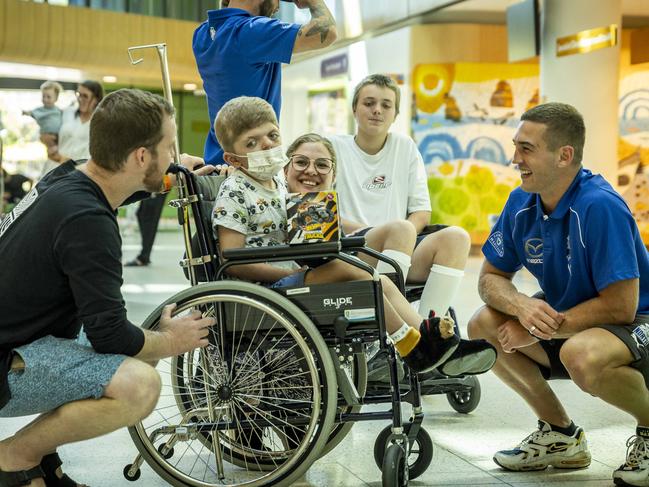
column 334, row 66
column 587, row 41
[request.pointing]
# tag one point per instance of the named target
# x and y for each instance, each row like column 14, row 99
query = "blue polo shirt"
column 240, row 55
column 587, row 243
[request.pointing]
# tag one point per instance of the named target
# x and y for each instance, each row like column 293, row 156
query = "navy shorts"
column 420, row 238
column 635, row 336
column 57, row 371
column 294, row 280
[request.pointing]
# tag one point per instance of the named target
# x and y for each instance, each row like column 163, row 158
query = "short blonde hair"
column 53, row 85
column 382, row 81
column 240, row 115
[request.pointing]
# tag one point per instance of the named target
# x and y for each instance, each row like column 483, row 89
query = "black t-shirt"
column 60, row 267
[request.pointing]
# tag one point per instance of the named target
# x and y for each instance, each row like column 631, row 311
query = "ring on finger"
column 532, row 329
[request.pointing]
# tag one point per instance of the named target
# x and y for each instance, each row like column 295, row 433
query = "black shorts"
column 635, row 336
column 428, row 229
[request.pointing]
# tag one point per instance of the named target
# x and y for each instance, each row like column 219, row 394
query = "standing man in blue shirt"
column 240, row 49
column 576, row 235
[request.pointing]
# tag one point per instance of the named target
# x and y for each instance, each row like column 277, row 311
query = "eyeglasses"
column 83, row 96
column 322, row 165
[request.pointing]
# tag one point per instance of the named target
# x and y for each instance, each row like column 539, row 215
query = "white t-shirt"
column 389, row 185
column 74, row 136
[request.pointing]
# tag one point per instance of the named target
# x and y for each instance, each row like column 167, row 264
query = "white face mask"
column 265, row 164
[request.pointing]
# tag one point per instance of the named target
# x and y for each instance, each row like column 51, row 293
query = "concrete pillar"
column 587, row 81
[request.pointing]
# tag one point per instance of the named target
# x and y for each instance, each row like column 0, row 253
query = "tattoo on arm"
column 321, row 22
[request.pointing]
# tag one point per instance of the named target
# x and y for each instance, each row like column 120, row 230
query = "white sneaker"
column 546, row 447
column 635, row 470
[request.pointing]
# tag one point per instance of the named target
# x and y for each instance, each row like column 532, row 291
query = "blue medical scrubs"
column 240, row 55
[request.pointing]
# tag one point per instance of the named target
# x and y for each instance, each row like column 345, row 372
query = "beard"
column 152, row 178
column 267, row 8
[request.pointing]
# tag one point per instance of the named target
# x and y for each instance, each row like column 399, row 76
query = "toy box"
column 312, row 217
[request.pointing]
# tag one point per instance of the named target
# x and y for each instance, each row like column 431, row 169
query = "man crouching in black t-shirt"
column 60, row 255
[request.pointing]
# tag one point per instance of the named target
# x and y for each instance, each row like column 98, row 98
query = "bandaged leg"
column 440, row 289
column 471, row 356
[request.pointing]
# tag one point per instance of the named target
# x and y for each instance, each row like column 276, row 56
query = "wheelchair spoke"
column 270, row 453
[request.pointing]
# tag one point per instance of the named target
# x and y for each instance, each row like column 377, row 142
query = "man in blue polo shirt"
column 240, row 49
column 576, row 235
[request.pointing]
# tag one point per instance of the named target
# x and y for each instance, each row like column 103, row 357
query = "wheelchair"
column 284, row 376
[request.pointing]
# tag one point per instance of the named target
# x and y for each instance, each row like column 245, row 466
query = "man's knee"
column 484, row 323
column 137, row 384
column 584, row 360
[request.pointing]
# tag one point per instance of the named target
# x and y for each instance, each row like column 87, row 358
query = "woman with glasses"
column 75, row 128
column 312, row 167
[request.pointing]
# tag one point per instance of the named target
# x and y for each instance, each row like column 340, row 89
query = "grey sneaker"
column 545, row 447
column 635, row 470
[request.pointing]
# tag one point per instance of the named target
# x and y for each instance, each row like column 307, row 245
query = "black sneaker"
column 432, row 349
column 471, row 357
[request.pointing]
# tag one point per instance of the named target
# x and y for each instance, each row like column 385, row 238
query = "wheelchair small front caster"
column 419, row 456
column 130, row 474
column 465, row 401
column 165, row 451
column 395, row 469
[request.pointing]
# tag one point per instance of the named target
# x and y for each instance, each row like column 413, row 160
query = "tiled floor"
column 464, row 444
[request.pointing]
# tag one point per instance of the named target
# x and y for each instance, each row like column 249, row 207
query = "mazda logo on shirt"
column 534, row 250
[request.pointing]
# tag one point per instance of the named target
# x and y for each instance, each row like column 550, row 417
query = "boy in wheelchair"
column 248, row 131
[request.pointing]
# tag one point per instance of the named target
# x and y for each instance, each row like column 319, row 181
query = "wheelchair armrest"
column 349, row 242
column 288, row 251
column 293, row 251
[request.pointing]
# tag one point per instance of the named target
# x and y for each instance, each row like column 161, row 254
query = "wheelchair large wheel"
column 466, row 400
column 255, row 407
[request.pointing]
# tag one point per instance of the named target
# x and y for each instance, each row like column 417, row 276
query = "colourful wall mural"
column 464, row 118
column 633, row 149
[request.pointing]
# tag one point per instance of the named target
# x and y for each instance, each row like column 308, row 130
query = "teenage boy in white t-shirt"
column 382, row 178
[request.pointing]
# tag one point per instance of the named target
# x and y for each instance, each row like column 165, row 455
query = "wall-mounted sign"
column 587, row 40
column 334, row 66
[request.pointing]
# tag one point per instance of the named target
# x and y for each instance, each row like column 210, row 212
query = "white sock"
column 440, row 289
column 401, row 258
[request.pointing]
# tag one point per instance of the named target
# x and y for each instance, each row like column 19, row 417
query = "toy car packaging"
column 312, row 217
